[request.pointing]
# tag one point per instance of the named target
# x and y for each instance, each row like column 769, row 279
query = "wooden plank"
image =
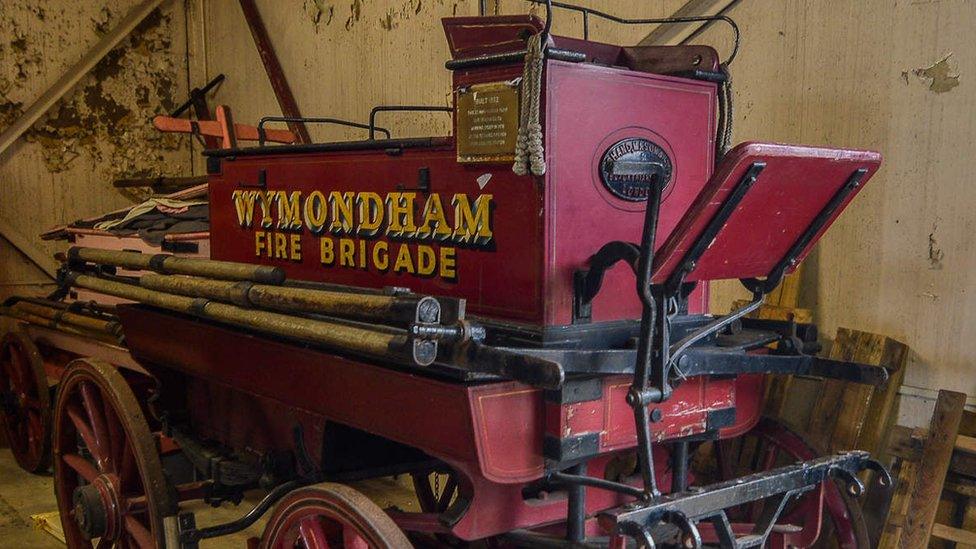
column 883, row 410
column 867, row 412
column 665, row 34
column 957, row 535
column 905, row 475
column 824, row 416
column 282, row 91
column 933, row 467
column 39, row 256
column 969, row 523
column 76, row 72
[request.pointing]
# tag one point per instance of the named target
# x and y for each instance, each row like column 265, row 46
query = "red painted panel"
column 589, row 109
column 415, row 410
column 794, row 187
column 500, row 278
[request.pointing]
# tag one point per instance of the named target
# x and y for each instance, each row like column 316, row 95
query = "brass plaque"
column 487, row 122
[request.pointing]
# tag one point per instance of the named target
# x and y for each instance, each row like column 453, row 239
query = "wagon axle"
column 96, row 508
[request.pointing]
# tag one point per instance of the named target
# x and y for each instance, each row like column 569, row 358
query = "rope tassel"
column 530, row 155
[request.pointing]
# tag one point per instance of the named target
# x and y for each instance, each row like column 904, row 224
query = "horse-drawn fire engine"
column 536, row 340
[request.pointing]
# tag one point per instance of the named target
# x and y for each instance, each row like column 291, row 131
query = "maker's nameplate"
column 487, row 122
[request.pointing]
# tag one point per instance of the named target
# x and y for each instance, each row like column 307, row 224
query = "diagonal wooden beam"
column 29, row 248
column 936, row 457
column 76, row 72
column 669, row 34
column 282, row 91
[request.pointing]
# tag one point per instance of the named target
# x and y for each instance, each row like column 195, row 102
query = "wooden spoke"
column 96, row 404
column 81, row 466
column 87, row 435
column 312, row 534
column 351, row 538
column 93, row 408
column 140, row 534
column 334, row 514
column 26, row 415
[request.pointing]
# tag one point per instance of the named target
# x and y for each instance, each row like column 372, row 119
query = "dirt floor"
column 23, row 495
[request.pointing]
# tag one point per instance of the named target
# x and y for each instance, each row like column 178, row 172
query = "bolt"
column 428, row 310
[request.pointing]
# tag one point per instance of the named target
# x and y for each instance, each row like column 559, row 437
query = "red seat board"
column 796, row 184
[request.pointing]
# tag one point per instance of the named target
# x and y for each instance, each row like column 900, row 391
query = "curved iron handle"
column 303, row 119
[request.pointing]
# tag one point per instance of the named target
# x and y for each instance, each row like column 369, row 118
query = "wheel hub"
column 96, row 508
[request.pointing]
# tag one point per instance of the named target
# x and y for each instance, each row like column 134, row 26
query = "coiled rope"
column 529, row 152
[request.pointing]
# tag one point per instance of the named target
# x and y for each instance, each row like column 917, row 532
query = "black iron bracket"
column 685, row 509
column 587, row 282
column 793, row 255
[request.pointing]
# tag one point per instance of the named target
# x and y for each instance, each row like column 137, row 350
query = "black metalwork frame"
column 315, row 120
column 657, row 359
column 401, row 108
column 587, row 12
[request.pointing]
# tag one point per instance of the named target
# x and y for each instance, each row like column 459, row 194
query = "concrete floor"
column 23, row 495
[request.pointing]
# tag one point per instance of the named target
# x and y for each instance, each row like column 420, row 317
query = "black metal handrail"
column 587, row 12
column 388, row 108
column 315, row 120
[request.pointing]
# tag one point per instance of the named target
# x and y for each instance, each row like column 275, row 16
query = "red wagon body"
column 548, row 402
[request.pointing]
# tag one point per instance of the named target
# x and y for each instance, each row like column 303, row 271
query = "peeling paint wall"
column 896, row 77
column 63, row 167
column 342, row 57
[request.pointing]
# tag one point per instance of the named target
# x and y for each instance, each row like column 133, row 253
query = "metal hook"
column 854, row 485
column 690, row 536
column 884, row 475
column 640, row 534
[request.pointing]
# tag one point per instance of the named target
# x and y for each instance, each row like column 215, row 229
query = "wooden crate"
column 928, row 464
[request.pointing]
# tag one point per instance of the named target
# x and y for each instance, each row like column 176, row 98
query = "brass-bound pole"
column 61, row 327
column 341, row 337
column 66, row 317
column 170, row 264
column 377, row 307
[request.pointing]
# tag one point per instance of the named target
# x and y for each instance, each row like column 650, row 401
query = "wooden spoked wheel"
column 827, row 512
column 107, row 474
column 330, row 516
column 25, row 404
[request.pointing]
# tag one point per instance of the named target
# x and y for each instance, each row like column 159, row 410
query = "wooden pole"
column 282, row 91
column 75, row 73
column 670, row 34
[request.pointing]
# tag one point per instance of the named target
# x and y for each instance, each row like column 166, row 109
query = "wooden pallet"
column 925, row 458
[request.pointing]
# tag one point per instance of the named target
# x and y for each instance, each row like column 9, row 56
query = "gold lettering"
column 472, row 224
column 404, row 263
column 341, row 212
column 346, row 249
column 435, row 222
column 370, row 207
column 280, row 246
column 289, row 210
column 426, row 260
column 399, row 213
column 259, row 244
column 315, row 212
column 267, row 203
column 295, row 247
column 244, row 204
column 326, row 251
column 381, row 257
column 448, row 263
